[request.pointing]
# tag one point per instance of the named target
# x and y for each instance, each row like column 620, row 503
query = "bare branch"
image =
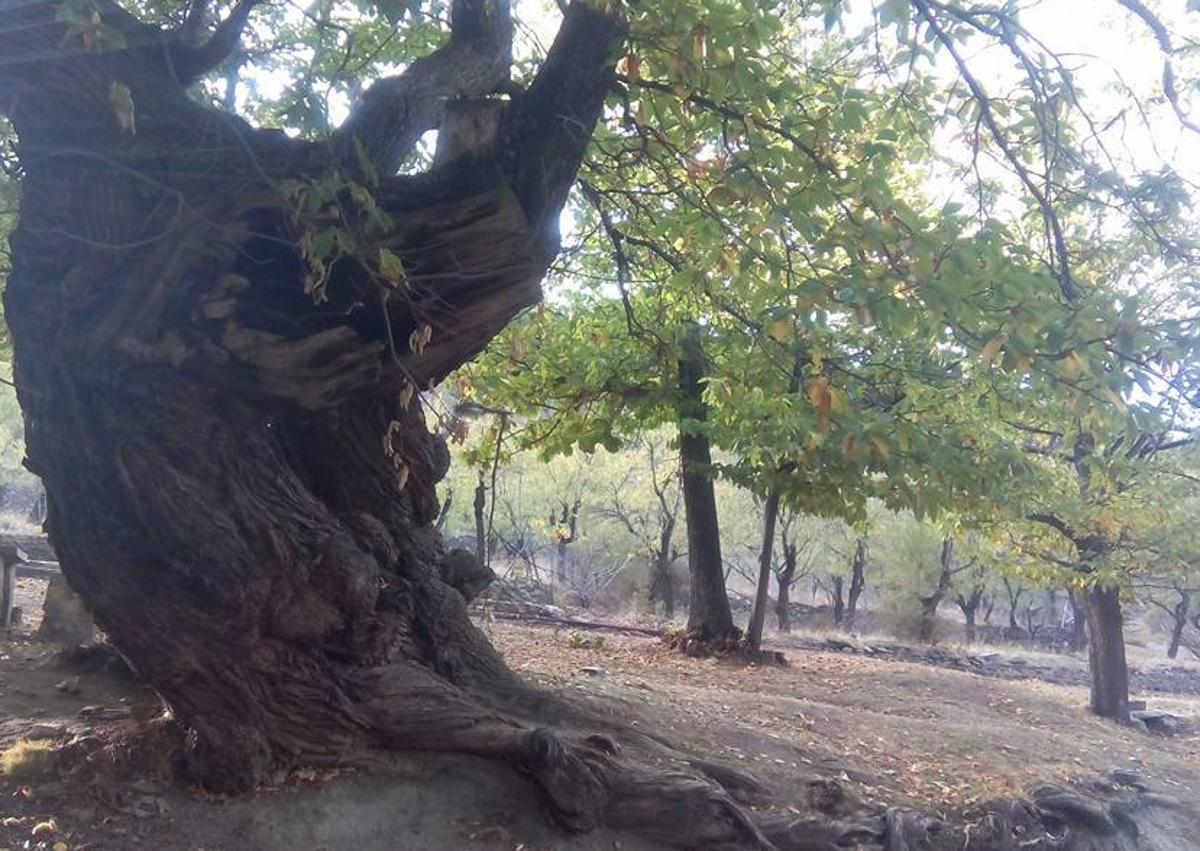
column 1163, row 36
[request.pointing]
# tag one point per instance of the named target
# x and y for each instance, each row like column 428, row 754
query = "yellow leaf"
column 991, row 349
column 390, row 267
column 822, row 400
column 780, row 330
column 121, row 99
column 1072, row 364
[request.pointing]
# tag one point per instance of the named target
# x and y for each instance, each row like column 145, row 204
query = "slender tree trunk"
column 758, row 615
column 930, row 604
column 480, row 506
column 709, row 616
column 1106, row 655
column 838, row 601
column 1180, row 619
column 567, row 530
column 662, row 588
column 858, row 581
column 785, row 577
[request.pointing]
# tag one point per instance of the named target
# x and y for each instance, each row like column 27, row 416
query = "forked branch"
column 191, row 60
column 396, row 111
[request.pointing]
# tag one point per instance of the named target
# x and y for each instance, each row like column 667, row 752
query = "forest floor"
column 895, row 732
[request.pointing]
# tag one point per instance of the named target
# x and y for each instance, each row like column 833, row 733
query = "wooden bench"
column 15, row 560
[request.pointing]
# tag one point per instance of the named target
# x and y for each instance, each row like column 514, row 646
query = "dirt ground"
column 902, row 733
column 889, row 731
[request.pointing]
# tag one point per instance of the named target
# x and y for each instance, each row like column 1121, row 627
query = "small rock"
column 1157, row 721
column 1126, row 777
column 592, row 671
column 70, row 685
column 147, row 787
column 42, row 730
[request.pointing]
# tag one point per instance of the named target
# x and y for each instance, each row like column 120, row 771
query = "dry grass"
column 27, row 760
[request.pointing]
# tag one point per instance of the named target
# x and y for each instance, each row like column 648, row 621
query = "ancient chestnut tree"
column 220, row 335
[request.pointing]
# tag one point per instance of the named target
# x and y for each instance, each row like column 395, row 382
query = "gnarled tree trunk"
column 233, row 486
column 970, row 606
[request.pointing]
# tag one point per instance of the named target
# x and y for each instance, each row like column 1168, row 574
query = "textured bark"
column 709, row 616
column 1106, row 655
column 1079, row 636
column 758, row 615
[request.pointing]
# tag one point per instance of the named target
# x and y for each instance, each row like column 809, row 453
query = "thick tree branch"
column 190, row 61
column 546, row 131
column 396, row 111
column 1054, row 522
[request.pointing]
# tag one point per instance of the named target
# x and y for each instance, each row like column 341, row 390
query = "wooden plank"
column 36, row 547
column 38, row 569
column 8, row 590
